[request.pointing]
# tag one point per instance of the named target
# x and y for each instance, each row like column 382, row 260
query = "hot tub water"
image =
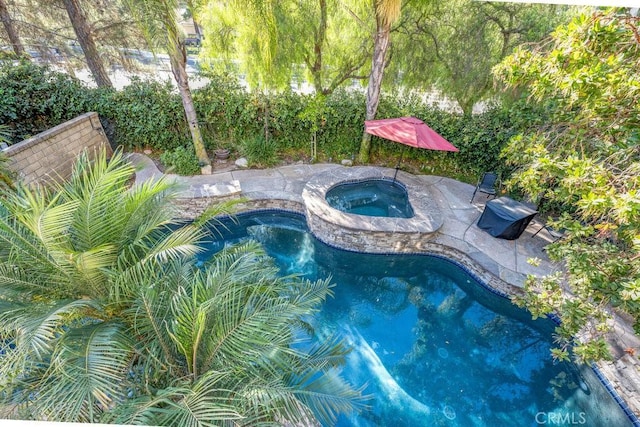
column 372, row 197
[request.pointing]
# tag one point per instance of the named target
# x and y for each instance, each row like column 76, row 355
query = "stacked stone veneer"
column 50, row 155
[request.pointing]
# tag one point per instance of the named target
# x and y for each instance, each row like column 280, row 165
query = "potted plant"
column 222, row 151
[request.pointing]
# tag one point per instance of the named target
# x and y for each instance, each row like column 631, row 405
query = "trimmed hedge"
column 150, row 115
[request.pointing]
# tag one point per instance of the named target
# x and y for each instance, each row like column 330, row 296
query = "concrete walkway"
column 496, row 261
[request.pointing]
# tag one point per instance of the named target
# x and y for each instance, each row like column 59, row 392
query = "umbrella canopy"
column 409, row 131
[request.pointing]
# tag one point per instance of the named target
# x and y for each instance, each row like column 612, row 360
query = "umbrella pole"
column 398, row 165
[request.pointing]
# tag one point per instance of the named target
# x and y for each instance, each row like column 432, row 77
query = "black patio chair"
column 486, row 185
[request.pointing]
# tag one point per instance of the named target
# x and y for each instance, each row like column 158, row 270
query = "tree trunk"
column 178, row 58
column 375, row 82
column 317, row 65
column 85, row 38
column 7, row 23
column 191, row 7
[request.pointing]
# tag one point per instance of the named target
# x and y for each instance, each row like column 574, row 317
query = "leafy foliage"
column 6, row 174
column 583, row 162
column 458, row 50
column 143, row 114
column 259, row 151
column 281, row 44
column 150, row 115
column 106, row 315
column 33, row 99
column 182, row 161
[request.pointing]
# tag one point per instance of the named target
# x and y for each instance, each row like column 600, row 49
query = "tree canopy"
column 436, row 46
column 326, row 42
column 582, row 165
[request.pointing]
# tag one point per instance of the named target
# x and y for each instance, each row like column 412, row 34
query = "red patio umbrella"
column 408, row 131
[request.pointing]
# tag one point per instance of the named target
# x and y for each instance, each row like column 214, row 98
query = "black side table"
column 505, row 218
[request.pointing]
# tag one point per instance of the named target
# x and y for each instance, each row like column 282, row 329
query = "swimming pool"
column 434, row 346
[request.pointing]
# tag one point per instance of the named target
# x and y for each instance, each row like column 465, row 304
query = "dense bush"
column 182, row 161
column 262, row 126
column 225, row 110
column 33, row 99
column 144, row 114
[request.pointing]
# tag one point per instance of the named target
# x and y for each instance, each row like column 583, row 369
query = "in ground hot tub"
column 382, row 233
column 373, row 197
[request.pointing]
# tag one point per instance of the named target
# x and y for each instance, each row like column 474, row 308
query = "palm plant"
column 106, row 316
column 6, row 174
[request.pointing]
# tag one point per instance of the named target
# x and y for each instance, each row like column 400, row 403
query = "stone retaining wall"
column 50, row 155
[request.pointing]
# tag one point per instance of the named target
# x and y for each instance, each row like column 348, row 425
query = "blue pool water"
column 373, row 197
column 434, row 346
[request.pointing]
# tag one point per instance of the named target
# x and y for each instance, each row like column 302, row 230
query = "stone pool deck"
column 503, row 264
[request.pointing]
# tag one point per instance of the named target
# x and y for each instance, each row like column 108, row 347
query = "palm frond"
column 41, row 212
column 189, row 323
column 158, row 20
column 251, row 313
column 89, row 267
column 328, row 353
column 212, row 213
column 328, row 395
column 31, row 332
column 149, row 313
column 18, row 284
column 7, row 175
column 31, row 234
column 308, row 295
column 89, row 368
column 179, row 243
column 388, row 11
column 98, row 188
column 208, row 402
column 147, row 210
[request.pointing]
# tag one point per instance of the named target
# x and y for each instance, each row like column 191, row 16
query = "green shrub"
column 144, row 114
column 259, row 152
column 225, row 109
column 182, row 161
column 33, row 99
column 150, row 115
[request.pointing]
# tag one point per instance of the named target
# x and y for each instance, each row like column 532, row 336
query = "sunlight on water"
column 433, row 346
column 364, row 359
column 305, row 256
column 296, row 246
